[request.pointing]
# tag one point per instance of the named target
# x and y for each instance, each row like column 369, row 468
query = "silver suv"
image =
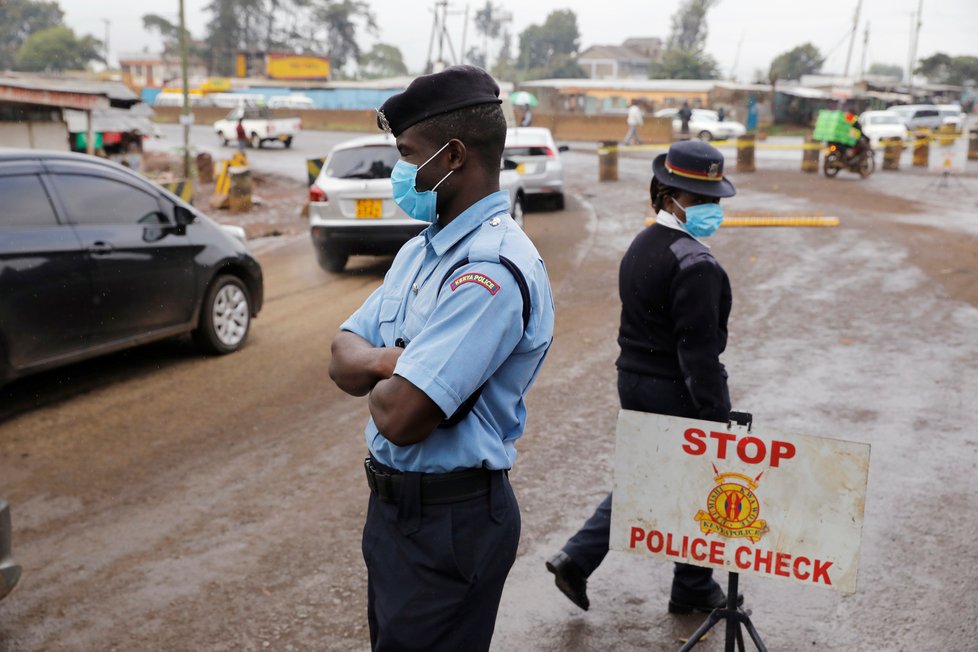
column 919, row 116
column 351, row 204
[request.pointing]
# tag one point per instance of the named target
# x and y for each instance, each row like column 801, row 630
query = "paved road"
column 164, row 501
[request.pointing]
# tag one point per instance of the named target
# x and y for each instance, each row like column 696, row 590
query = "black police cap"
column 693, row 166
column 451, row 89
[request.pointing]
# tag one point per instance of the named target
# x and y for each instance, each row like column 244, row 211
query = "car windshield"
column 374, row 162
column 884, row 120
column 950, row 112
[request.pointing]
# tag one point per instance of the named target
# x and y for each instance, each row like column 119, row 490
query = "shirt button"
column 494, row 221
column 415, row 288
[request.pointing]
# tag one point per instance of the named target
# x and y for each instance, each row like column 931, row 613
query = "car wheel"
column 332, row 258
column 256, row 141
column 225, row 316
column 518, row 210
column 559, row 201
column 221, row 137
column 288, row 142
column 704, row 135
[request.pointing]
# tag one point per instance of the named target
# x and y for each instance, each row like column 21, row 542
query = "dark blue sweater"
column 675, row 300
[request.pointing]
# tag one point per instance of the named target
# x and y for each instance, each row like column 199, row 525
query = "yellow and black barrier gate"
column 182, row 188
column 313, row 167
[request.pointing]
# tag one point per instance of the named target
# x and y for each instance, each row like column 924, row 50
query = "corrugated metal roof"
column 115, row 91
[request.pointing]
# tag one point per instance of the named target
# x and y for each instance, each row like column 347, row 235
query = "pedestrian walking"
column 634, row 120
column 721, row 114
column 446, row 349
column 684, row 113
column 675, row 300
column 527, row 118
column 241, row 134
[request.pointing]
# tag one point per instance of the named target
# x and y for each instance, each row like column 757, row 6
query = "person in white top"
column 635, row 121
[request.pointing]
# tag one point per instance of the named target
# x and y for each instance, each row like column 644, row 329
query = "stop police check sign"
column 706, row 494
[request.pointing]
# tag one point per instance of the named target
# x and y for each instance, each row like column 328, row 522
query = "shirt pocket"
column 418, row 313
column 389, row 307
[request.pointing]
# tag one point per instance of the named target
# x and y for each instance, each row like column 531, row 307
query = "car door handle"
column 100, row 248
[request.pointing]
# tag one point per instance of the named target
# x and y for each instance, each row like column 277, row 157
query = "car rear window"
column 374, row 162
column 925, row 113
column 536, row 150
column 25, row 202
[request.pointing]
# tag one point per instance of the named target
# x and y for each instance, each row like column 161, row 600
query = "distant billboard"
column 296, row 66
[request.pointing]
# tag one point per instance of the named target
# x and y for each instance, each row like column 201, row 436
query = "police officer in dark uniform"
column 446, row 350
column 675, row 300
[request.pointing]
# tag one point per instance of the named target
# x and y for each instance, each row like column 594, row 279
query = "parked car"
column 9, row 570
column 352, row 210
column 951, row 114
column 291, row 102
column 918, row 116
column 259, row 124
column 878, row 125
column 94, row 259
column 538, row 162
column 704, row 124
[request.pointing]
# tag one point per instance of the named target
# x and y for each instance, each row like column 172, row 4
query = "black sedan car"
column 94, row 258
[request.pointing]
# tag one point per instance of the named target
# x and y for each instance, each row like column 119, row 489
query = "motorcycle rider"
column 852, row 154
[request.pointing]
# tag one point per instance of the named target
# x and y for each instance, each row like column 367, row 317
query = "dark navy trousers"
column 589, row 545
column 435, row 573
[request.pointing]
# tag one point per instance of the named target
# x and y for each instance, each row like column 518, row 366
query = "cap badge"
column 382, row 121
column 714, row 170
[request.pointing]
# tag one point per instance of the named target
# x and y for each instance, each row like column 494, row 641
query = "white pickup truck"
column 259, row 124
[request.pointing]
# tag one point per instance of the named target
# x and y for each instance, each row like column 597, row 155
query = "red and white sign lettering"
column 710, row 495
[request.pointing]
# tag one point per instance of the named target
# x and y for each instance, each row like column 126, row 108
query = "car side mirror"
column 183, row 215
column 509, row 164
column 563, row 148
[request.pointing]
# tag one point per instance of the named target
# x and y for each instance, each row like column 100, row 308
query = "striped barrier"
column 604, row 149
column 222, row 185
column 184, row 189
column 313, row 167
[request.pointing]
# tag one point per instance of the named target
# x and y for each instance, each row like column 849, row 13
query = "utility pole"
column 914, row 38
column 441, row 28
column 185, row 116
column 105, row 43
column 862, row 64
column 852, row 35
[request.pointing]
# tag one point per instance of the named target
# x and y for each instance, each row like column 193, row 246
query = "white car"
column 951, row 114
column 878, row 125
column 704, row 124
column 259, row 124
column 539, row 164
column 351, row 204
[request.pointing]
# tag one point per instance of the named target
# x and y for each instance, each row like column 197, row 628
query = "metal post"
column 185, row 113
column 89, row 134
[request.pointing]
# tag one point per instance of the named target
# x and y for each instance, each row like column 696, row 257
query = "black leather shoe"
column 570, row 579
column 716, row 599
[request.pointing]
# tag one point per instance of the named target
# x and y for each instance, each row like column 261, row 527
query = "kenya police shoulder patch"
column 478, row 279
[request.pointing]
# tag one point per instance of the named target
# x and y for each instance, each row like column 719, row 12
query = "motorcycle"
column 838, row 158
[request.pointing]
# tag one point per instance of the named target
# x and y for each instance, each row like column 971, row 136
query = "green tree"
column 550, row 49
column 802, row 60
column 684, row 56
column 940, row 68
column 18, row 20
column 58, row 49
column 886, row 70
column 383, row 60
column 488, row 22
column 342, row 19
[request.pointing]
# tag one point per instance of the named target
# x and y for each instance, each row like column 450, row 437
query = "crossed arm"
column 402, row 413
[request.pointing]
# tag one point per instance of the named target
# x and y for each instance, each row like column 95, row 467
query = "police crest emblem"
column 732, row 508
column 714, row 171
column 382, row 121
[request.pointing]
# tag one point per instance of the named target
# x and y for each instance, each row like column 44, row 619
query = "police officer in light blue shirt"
column 446, row 350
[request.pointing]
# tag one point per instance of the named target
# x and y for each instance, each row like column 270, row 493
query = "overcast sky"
column 744, row 35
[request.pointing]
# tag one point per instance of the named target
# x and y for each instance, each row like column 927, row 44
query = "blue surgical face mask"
column 419, row 205
column 702, row 220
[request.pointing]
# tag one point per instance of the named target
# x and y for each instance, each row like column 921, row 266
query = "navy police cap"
column 693, row 166
column 451, row 89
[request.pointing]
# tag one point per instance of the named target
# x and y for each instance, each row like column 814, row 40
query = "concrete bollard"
column 921, row 148
column 205, row 168
column 809, row 155
column 608, row 161
column 892, row 150
column 973, row 145
column 745, row 153
column 239, row 196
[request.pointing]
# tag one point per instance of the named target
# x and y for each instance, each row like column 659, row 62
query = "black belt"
column 436, row 488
